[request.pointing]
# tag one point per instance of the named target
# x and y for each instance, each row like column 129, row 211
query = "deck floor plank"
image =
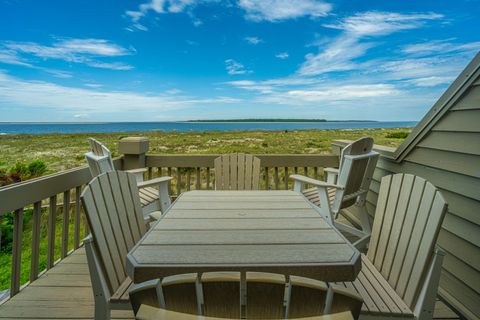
column 64, row 292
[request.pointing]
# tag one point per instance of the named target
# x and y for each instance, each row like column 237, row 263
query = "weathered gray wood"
column 238, row 213
column 47, row 304
column 233, row 242
column 267, row 160
column 66, row 223
column 194, row 237
column 16, row 252
column 77, row 218
column 25, row 193
column 52, row 218
column 115, row 216
column 35, row 255
column 237, row 172
column 241, row 224
column 407, row 221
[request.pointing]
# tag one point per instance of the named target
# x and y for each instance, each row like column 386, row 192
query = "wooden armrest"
column 155, row 215
column 153, row 182
column 314, row 182
column 139, row 170
column 331, row 170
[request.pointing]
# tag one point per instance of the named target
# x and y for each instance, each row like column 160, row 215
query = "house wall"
column 449, row 157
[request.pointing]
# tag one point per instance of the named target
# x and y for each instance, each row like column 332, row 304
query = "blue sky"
column 163, row 60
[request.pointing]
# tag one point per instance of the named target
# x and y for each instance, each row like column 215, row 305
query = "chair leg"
column 426, row 300
column 102, row 311
column 163, row 196
column 101, row 292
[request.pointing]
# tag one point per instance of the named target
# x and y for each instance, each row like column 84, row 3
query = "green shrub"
column 397, row 135
column 37, row 168
column 20, row 169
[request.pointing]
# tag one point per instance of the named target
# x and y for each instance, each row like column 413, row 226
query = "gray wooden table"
column 266, row 231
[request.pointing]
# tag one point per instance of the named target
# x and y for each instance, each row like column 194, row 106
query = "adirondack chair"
column 237, row 171
column 153, row 200
column 345, row 187
column 229, row 295
column 401, row 270
column 114, row 214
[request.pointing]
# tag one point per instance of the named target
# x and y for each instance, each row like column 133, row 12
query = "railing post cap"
column 133, row 145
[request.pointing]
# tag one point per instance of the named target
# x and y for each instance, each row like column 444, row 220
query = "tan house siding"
column 449, row 157
column 444, row 148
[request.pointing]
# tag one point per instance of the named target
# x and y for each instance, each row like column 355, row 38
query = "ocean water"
column 42, row 128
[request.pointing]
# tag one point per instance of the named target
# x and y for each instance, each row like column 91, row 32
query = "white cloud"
column 432, row 81
column 375, row 23
column 84, row 51
column 93, row 85
column 255, row 10
column 440, row 47
column 11, row 57
column 339, row 54
column 253, row 40
column 50, row 96
column 282, row 55
column 162, row 6
column 278, row 10
column 235, row 68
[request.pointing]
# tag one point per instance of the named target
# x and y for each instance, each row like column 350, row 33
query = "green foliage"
column 20, row 169
column 397, row 135
column 37, row 168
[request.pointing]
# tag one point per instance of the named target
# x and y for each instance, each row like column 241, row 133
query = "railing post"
column 16, row 252
column 134, row 150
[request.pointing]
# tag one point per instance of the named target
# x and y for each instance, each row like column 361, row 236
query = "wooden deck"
column 64, row 292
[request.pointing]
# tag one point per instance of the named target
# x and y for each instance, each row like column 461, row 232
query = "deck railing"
column 196, row 172
column 52, row 203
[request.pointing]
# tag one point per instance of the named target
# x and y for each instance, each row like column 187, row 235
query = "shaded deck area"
column 64, row 292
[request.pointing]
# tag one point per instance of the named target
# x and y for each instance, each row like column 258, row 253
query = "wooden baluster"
column 86, row 228
column 315, row 173
column 16, row 252
column 169, row 172
column 188, row 179
column 277, row 179
column 34, row 258
column 295, row 169
column 305, row 171
column 267, row 179
column 76, row 218
column 159, row 171
column 150, row 173
column 179, row 182
column 66, row 222
column 208, row 178
column 52, row 218
column 286, row 178
column 198, row 183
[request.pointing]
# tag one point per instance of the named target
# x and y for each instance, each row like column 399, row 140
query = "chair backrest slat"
column 99, row 159
column 221, row 294
column 237, row 172
column 307, row 297
column 180, row 293
column 265, row 295
column 218, row 295
column 115, row 220
column 409, row 214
